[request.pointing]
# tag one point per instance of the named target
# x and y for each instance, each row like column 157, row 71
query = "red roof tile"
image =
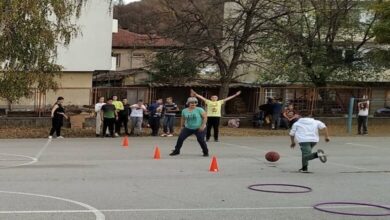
column 126, row 39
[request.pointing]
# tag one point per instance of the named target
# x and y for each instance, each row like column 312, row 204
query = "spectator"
column 98, row 108
column 57, row 118
column 124, row 117
column 119, row 107
column 258, row 119
column 290, row 115
column 155, row 111
column 170, row 109
column 214, row 107
column 109, row 116
column 363, row 108
column 276, row 112
column 136, row 117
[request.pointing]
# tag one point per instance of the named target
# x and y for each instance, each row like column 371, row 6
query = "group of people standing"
column 276, row 114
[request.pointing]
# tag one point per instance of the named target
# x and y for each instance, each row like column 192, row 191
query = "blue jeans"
column 169, row 122
column 185, row 133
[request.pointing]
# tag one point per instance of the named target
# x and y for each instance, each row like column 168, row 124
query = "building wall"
column 91, row 49
column 75, row 87
column 131, row 58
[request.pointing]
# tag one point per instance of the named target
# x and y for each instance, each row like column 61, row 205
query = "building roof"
column 127, row 39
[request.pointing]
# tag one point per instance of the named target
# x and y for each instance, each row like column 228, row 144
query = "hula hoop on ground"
column 317, row 207
column 305, row 188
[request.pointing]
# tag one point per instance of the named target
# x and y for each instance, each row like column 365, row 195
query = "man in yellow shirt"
column 118, row 107
column 213, row 110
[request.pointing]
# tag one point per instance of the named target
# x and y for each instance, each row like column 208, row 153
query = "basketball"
column 272, row 156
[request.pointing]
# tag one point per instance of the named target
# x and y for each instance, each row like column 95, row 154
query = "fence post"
column 350, row 113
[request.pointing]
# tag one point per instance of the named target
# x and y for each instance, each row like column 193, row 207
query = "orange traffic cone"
column 125, row 143
column 214, row 165
column 157, row 153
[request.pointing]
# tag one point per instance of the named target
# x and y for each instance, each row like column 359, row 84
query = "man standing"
column 305, row 131
column 276, row 112
column 363, row 108
column 98, row 108
column 155, row 111
column 109, row 116
column 119, row 107
column 136, row 117
column 124, row 116
column 170, row 109
column 193, row 121
column 214, row 107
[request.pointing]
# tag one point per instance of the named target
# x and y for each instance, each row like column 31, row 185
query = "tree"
column 224, row 33
column 30, row 32
column 322, row 41
column 382, row 27
column 173, row 67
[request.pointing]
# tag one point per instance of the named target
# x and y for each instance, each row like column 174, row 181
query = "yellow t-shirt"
column 118, row 105
column 214, row 108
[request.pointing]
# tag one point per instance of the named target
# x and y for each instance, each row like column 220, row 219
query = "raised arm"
column 198, row 96
column 232, row 97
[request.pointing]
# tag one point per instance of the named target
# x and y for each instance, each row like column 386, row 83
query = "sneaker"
column 303, row 170
column 97, row 135
column 50, row 137
column 163, row 135
column 60, row 137
column 116, row 135
column 205, row 154
column 174, row 153
column 216, row 140
column 321, row 155
column 170, row 135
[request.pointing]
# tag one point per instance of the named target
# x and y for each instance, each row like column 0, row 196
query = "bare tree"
column 225, row 33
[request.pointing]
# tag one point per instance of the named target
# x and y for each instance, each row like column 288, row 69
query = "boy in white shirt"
column 305, row 131
column 136, row 117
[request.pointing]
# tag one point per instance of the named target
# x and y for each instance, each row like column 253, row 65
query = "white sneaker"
column 50, row 137
column 321, row 155
column 60, row 137
column 116, row 135
column 163, row 135
column 170, row 135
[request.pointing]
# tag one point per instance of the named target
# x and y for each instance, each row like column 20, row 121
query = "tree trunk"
column 9, row 105
column 223, row 93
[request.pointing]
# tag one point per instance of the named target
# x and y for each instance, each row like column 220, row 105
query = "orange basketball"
column 272, row 156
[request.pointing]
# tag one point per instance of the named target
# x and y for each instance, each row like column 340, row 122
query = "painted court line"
column 181, row 209
column 33, row 160
column 99, row 215
column 39, row 154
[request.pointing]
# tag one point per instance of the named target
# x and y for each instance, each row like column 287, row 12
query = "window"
column 118, row 59
column 138, row 54
column 269, row 93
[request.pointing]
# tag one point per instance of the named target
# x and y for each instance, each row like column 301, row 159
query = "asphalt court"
column 96, row 178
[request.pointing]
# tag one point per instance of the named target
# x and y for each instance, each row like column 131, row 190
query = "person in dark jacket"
column 124, row 117
column 57, row 118
column 155, row 110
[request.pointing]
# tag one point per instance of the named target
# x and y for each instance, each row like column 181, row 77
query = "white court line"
column 39, row 154
column 183, row 209
column 99, row 215
column 33, row 160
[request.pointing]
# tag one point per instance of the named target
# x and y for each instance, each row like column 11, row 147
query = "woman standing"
column 193, row 121
column 57, row 118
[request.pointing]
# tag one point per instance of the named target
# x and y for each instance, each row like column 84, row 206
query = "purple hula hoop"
column 317, row 207
column 306, row 189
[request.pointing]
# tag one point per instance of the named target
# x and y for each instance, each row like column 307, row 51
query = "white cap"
column 192, row 99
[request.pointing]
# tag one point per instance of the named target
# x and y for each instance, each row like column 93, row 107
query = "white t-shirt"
column 363, row 111
column 137, row 111
column 98, row 106
column 306, row 130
